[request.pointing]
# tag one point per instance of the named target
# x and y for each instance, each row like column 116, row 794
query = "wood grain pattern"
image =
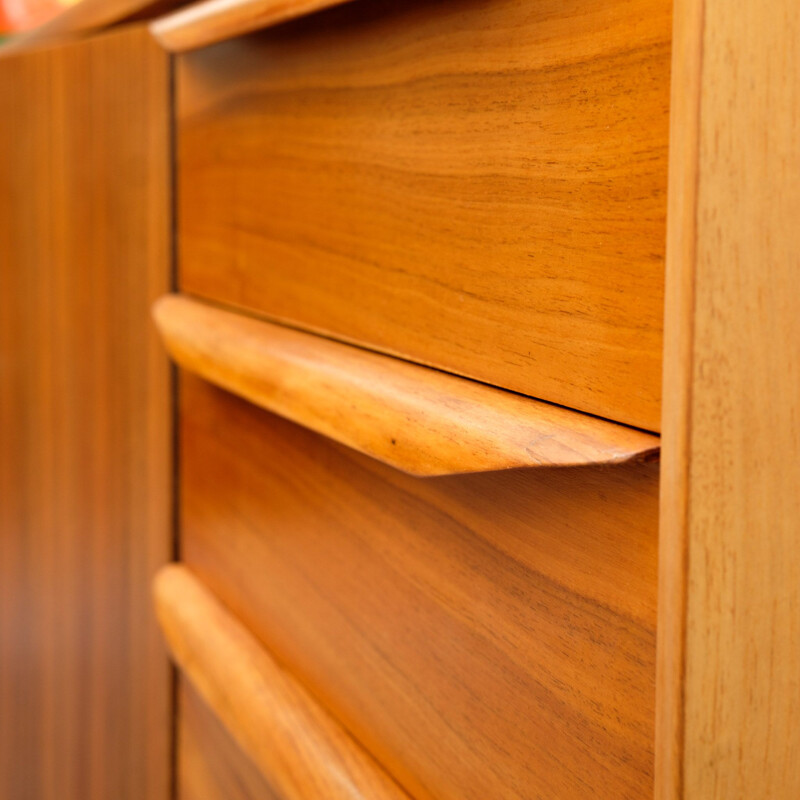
column 729, row 695
column 211, row 21
column 417, row 419
column 678, row 356
column 486, row 635
column 480, row 186
column 302, row 751
column 85, row 431
column 211, row 766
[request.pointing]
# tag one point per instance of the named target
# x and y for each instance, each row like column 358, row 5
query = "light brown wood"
column 210, row 764
column 85, row 421
column 417, row 419
column 480, row 186
column 205, row 23
column 729, row 608
column 678, row 356
column 80, row 18
column 302, row 751
column 485, row 636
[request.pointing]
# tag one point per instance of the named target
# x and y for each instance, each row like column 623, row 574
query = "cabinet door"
column 84, row 420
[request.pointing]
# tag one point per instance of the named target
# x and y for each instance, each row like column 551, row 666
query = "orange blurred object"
column 22, row 15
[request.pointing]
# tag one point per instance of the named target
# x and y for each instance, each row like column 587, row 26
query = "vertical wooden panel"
column 729, row 694
column 85, row 475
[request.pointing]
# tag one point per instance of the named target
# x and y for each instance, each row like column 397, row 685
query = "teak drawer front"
column 479, row 186
column 303, row 752
column 210, row 765
column 482, row 636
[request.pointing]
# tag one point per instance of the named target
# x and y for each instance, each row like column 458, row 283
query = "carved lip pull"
column 302, row 751
column 414, row 418
column 205, row 23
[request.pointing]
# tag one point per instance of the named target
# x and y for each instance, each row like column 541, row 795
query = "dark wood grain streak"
column 486, row 635
column 85, row 433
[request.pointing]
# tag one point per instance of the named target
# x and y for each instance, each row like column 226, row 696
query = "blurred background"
column 22, row 15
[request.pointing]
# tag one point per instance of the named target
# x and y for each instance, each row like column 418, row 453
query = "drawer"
column 478, row 186
column 485, row 635
column 210, row 765
column 247, row 726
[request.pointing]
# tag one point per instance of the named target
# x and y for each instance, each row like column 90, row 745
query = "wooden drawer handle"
column 417, row 419
column 205, row 23
column 301, row 750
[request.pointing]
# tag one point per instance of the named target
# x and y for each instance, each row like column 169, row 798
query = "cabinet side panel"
column 85, row 430
column 729, row 695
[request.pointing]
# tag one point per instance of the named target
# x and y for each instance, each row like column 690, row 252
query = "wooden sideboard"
column 479, row 464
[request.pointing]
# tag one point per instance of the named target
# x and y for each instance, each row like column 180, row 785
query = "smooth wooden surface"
column 476, row 185
column 210, row 764
column 303, row 752
column 85, row 433
column 211, row 21
column 678, row 377
column 729, row 694
column 484, row 636
column 417, row 419
column 81, row 18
